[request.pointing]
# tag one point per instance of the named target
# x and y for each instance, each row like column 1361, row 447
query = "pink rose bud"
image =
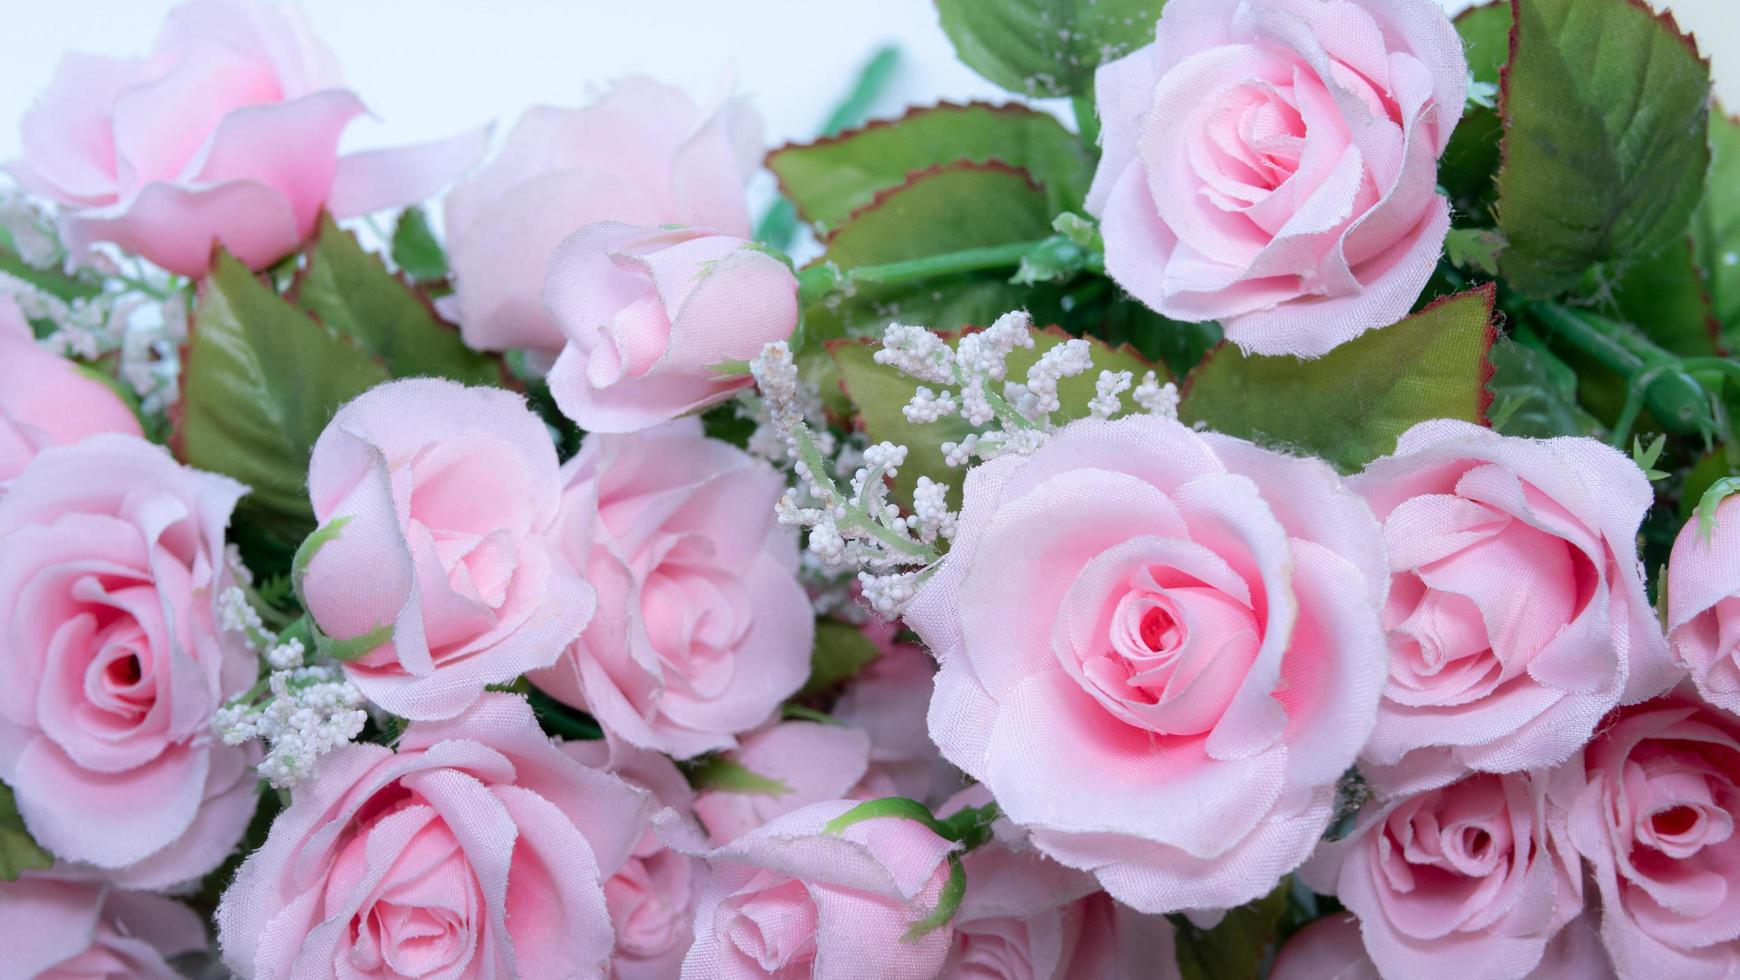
column 477, row 848
column 645, row 154
column 1273, row 165
column 1465, row 880
column 1517, row 616
column 792, row 899
column 1703, row 603
column 45, row 400
column 650, row 314
column 1139, row 614
column 115, row 658
column 1652, row 805
column 435, row 502
column 61, row 925
column 702, row 628
column 226, row 133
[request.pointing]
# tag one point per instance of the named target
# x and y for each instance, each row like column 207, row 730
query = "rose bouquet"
column 1279, row 522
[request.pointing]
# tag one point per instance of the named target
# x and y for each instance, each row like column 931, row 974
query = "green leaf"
column 890, row 806
column 1471, row 159
column 831, row 178
column 1716, row 227
column 352, row 292
column 51, row 281
column 1350, row 405
column 716, row 772
column 1535, row 394
column 1646, row 457
column 841, row 650
column 948, row 901
column 261, row 381
column 880, row 393
column 1664, row 297
column 311, row 546
column 1046, row 47
column 1474, row 249
column 416, row 251
column 1234, row 948
column 18, row 850
column 1712, row 499
column 1606, row 109
column 352, row 647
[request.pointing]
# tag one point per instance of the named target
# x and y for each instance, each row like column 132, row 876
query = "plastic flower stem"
column 817, row 281
column 1672, row 395
column 779, row 225
column 1087, row 122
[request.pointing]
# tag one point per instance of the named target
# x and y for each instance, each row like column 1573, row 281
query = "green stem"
column 1087, row 121
column 819, row 280
column 1671, row 394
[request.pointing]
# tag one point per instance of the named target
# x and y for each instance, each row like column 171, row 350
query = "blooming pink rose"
column 1139, row 614
column 790, row 899
column 1330, row 949
column 1517, row 615
column 45, row 400
column 59, row 927
column 702, row 628
column 477, row 849
column 812, row 763
column 1272, row 164
column 1703, row 605
column 1464, row 880
column 652, row 896
column 644, row 154
column 442, row 498
column 888, row 699
column 226, row 133
column 111, row 562
column 1652, row 804
column 650, row 314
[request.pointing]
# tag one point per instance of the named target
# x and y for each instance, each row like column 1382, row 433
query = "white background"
column 429, row 68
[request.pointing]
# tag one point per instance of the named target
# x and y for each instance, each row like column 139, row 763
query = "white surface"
column 429, row 68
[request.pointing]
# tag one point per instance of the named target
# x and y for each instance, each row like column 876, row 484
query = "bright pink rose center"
column 772, row 921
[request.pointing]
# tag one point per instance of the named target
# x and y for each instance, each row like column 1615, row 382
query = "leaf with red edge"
column 1716, row 227
column 1349, row 405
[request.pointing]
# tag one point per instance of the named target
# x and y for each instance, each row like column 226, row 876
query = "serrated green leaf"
column 1046, row 47
column 260, row 382
column 1471, row 159
column 880, row 392
column 831, row 178
column 1474, row 249
column 841, row 650
column 352, row 292
column 18, row 850
column 416, row 251
column 1535, row 394
column 1716, row 226
column 352, row 647
column 1606, row 110
column 1663, row 296
column 1234, row 948
column 1350, row 405
column 716, row 772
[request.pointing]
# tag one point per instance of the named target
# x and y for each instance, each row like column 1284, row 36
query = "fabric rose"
column 649, row 315
column 435, row 502
column 45, row 400
column 888, row 699
column 794, row 764
column 1138, row 614
column 59, row 927
column 1652, row 804
column 1272, row 164
column 111, row 565
column 1330, row 949
column 644, row 154
column 652, row 896
column 1517, row 615
column 477, row 849
column 791, row 899
column 1703, row 604
column 702, row 628
column 1465, row 880
column 226, row 133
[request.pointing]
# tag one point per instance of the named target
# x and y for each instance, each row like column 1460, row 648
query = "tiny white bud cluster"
column 1107, row 388
column 1156, row 398
column 237, row 615
column 307, row 712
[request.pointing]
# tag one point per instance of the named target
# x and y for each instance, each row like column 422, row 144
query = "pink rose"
column 111, row 562
column 1703, row 605
column 59, row 927
column 888, row 699
column 1516, row 616
column 1652, row 805
column 702, row 628
column 1330, row 949
column 226, row 133
column 650, row 314
column 1139, row 614
column 478, row 849
column 790, row 899
column 1272, row 164
column 45, row 400
column 812, row 762
column 440, row 499
column 1464, row 880
column 644, row 154
column 652, row 896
